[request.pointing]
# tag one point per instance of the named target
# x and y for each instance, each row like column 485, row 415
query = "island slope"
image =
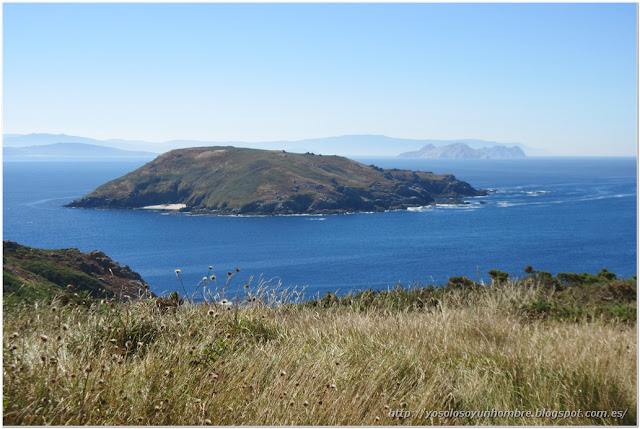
column 230, row 180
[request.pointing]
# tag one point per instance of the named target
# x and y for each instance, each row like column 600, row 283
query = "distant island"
column 72, row 150
column 239, row 181
column 463, row 151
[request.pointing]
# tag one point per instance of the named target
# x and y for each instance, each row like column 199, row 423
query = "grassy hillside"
column 554, row 343
column 32, row 275
column 250, row 181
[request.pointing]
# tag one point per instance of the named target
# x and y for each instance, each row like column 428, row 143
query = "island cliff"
column 229, row 180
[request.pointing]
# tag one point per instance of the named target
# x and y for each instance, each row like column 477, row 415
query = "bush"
column 498, row 276
column 604, row 274
column 462, row 282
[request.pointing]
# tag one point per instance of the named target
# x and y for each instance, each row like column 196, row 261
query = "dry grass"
column 137, row 364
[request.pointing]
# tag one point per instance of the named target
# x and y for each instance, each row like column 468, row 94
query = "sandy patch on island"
column 165, row 207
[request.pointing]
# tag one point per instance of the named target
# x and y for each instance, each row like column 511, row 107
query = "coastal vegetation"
column 266, row 356
column 31, row 275
column 238, row 181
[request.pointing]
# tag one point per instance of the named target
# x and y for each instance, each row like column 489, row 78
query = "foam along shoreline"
column 164, row 207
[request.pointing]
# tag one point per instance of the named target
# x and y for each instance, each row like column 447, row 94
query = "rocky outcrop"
column 63, row 271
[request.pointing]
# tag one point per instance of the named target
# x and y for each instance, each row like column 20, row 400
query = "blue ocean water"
column 556, row 214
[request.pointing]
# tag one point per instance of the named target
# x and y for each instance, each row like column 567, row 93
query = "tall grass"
column 273, row 363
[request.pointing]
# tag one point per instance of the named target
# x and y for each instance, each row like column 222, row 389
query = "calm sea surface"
column 558, row 214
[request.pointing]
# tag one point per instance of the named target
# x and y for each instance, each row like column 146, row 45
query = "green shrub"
column 62, row 277
column 462, row 282
column 498, row 276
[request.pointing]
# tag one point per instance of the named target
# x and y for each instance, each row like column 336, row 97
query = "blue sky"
column 561, row 77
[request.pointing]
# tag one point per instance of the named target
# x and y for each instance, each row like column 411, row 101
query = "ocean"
column 555, row 214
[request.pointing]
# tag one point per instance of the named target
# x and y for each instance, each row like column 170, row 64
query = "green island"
column 226, row 180
column 85, row 343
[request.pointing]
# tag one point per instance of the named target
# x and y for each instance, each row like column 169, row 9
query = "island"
column 461, row 150
column 227, row 180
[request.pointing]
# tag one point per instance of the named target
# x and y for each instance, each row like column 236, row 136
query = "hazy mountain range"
column 348, row 145
column 72, row 150
column 463, row 151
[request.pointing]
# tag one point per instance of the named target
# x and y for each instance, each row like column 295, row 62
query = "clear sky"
column 561, row 77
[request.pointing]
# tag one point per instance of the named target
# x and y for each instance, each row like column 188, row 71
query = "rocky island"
column 226, row 180
column 463, row 151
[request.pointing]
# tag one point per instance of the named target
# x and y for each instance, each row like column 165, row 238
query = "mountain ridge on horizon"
column 345, row 145
column 72, row 150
